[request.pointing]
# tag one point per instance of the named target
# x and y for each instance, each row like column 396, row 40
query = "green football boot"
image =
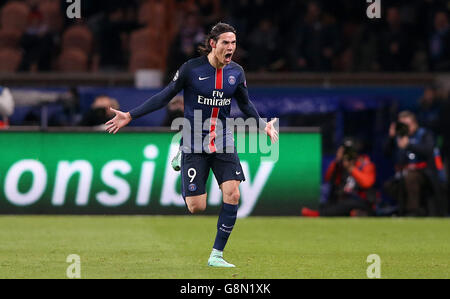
column 176, row 161
column 216, row 260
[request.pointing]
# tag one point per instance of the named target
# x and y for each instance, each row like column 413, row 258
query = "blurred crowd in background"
column 411, row 35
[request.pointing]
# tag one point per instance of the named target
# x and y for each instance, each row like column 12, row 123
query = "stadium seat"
column 152, row 13
column 10, row 60
column 157, row 16
column 144, row 60
column 78, row 36
column 14, row 16
column 73, row 60
column 9, row 38
column 144, row 13
column 140, row 39
column 150, row 41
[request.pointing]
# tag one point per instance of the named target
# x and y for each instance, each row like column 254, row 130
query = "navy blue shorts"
column 195, row 169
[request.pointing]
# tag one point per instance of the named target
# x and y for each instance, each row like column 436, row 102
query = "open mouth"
column 228, row 56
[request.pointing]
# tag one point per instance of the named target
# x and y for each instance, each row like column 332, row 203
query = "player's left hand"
column 271, row 131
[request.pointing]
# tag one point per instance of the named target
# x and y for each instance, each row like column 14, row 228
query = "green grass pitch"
column 261, row 247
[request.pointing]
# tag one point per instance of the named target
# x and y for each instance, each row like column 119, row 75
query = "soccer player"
column 209, row 83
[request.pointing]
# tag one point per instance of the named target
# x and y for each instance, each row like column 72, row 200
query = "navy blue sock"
column 227, row 219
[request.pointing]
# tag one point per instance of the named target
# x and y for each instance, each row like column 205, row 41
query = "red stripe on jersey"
column 212, row 129
column 219, row 79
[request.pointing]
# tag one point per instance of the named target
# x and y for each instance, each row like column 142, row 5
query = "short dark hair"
column 214, row 34
column 408, row 114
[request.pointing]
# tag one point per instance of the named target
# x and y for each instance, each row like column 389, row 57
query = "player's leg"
column 194, row 174
column 196, row 204
column 228, row 213
column 226, row 222
column 229, row 174
column 230, row 191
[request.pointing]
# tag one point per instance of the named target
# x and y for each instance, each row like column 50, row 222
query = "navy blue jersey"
column 208, row 93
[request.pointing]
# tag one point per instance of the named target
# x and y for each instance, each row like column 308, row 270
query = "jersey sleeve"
column 163, row 97
column 244, row 103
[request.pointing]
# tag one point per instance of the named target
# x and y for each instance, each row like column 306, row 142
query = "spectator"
column 210, row 10
column 38, row 43
column 238, row 13
column 351, row 177
column 99, row 113
column 114, row 32
column 315, row 42
column 424, row 17
column 394, row 46
column 264, row 45
column 415, row 185
column 185, row 44
column 439, row 46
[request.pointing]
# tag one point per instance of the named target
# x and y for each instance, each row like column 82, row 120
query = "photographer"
column 351, row 177
column 415, row 185
column 99, row 112
column 6, row 106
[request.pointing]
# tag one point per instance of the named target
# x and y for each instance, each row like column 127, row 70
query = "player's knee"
column 232, row 196
column 196, row 208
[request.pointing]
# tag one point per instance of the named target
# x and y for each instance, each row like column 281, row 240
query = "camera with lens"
column 401, row 129
column 350, row 152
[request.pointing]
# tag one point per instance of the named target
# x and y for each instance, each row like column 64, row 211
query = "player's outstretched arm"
column 156, row 102
column 117, row 122
column 159, row 100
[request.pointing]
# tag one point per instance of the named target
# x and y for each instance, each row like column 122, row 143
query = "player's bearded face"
column 225, row 47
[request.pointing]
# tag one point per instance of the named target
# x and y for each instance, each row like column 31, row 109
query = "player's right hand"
column 119, row 121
